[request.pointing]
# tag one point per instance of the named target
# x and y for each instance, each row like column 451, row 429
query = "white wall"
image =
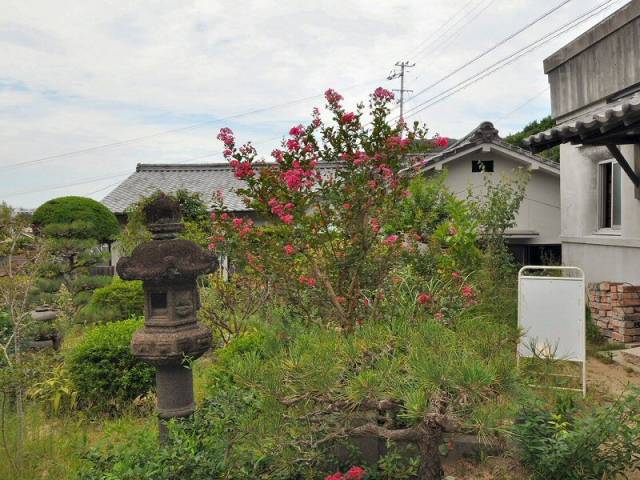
column 604, row 256
column 540, row 209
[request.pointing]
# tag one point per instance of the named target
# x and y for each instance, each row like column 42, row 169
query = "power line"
column 468, row 18
column 525, row 103
column 491, row 49
column 432, row 37
column 447, row 41
column 122, row 173
column 174, row 130
column 509, row 59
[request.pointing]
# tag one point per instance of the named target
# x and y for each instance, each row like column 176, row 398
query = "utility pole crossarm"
column 404, row 66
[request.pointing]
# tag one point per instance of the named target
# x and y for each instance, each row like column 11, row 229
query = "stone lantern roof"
column 165, row 258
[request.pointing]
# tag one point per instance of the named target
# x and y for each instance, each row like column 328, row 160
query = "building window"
column 481, row 166
column 609, row 193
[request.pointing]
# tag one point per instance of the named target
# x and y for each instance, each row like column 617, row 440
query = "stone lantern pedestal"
column 171, row 336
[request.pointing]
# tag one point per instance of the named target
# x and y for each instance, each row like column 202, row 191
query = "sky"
column 90, row 89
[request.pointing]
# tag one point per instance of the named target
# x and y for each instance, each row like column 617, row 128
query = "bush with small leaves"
column 118, row 301
column 561, row 444
column 104, row 372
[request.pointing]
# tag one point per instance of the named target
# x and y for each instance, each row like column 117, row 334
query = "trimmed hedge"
column 118, row 301
column 105, row 374
column 98, row 221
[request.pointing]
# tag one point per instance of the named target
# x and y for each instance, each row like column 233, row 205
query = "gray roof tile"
column 204, row 179
column 599, row 120
column 483, row 133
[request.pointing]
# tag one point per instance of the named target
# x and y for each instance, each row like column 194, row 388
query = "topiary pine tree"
column 76, row 228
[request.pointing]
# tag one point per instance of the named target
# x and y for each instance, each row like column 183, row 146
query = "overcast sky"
column 76, row 75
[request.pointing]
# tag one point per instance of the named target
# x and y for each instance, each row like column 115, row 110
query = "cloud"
column 88, row 73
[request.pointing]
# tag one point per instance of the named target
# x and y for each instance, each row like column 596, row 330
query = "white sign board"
column 551, row 313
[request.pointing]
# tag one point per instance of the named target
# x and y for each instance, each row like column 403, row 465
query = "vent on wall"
column 482, row 166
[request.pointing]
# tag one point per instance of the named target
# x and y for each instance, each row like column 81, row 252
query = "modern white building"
column 595, row 99
column 536, row 237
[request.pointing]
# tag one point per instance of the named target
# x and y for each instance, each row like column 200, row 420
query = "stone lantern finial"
column 169, row 267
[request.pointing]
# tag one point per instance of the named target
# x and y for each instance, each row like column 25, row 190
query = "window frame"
column 480, row 166
column 602, row 228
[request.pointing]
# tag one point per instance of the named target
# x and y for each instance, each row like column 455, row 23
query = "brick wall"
column 615, row 308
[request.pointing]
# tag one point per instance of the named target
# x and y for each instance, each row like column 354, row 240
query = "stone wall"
column 615, row 308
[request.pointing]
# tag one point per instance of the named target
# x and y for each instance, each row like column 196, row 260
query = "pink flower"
column 383, row 94
column 224, row 216
column 442, row 142
column 467, row 291
column 360, row 158
column 406, row 194
column 424, row 298
column 348, row 117
column 293, row 145
column 288, row 249
column 242, row 169
column 456, row 275
column 333, row 97
column 453, row 231
column 398, row 142
column 346, row 206
column 390, row 240
column 213, row 215
column 340, row 299
column 226, row 136
column 307, row 281
column 278, row 155
column 335, row 476
column 385, row 171
column 296, row 131
column 372, row 184
column 237, row 222
column 375, row 226
column 288, row 219
column 439, row 315
column 227, row 153
column 355, row 473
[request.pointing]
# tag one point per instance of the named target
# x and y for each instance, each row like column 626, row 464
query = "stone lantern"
column 171, row 336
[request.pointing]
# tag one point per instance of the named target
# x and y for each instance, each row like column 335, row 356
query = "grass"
column 54, row 446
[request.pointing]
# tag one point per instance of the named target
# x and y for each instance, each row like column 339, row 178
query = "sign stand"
column 551, row 313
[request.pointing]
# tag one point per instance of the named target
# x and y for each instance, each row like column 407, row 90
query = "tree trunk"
column 429, row 443
column 19, row 400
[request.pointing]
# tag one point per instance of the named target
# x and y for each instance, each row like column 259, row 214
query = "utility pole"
column 404, row 66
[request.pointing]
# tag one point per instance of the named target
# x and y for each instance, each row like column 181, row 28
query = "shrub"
column 104, row 372
column 557, row 444
column 118, row 301
column 97, row 221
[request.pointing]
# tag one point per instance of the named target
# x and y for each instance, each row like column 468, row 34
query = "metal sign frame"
column 574, row 285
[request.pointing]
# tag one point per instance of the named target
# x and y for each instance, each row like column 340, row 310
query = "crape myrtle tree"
column 328, row 246
column 334, row 246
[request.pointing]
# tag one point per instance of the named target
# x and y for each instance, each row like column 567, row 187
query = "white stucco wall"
column 604, row 256
column 540, row 209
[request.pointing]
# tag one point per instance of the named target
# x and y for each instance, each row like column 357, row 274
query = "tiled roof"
column 205, row 179
column 606, row 119
column 485, row 133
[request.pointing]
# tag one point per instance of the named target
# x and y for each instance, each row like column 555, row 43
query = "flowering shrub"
column 329, row 195
column 354, row 473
